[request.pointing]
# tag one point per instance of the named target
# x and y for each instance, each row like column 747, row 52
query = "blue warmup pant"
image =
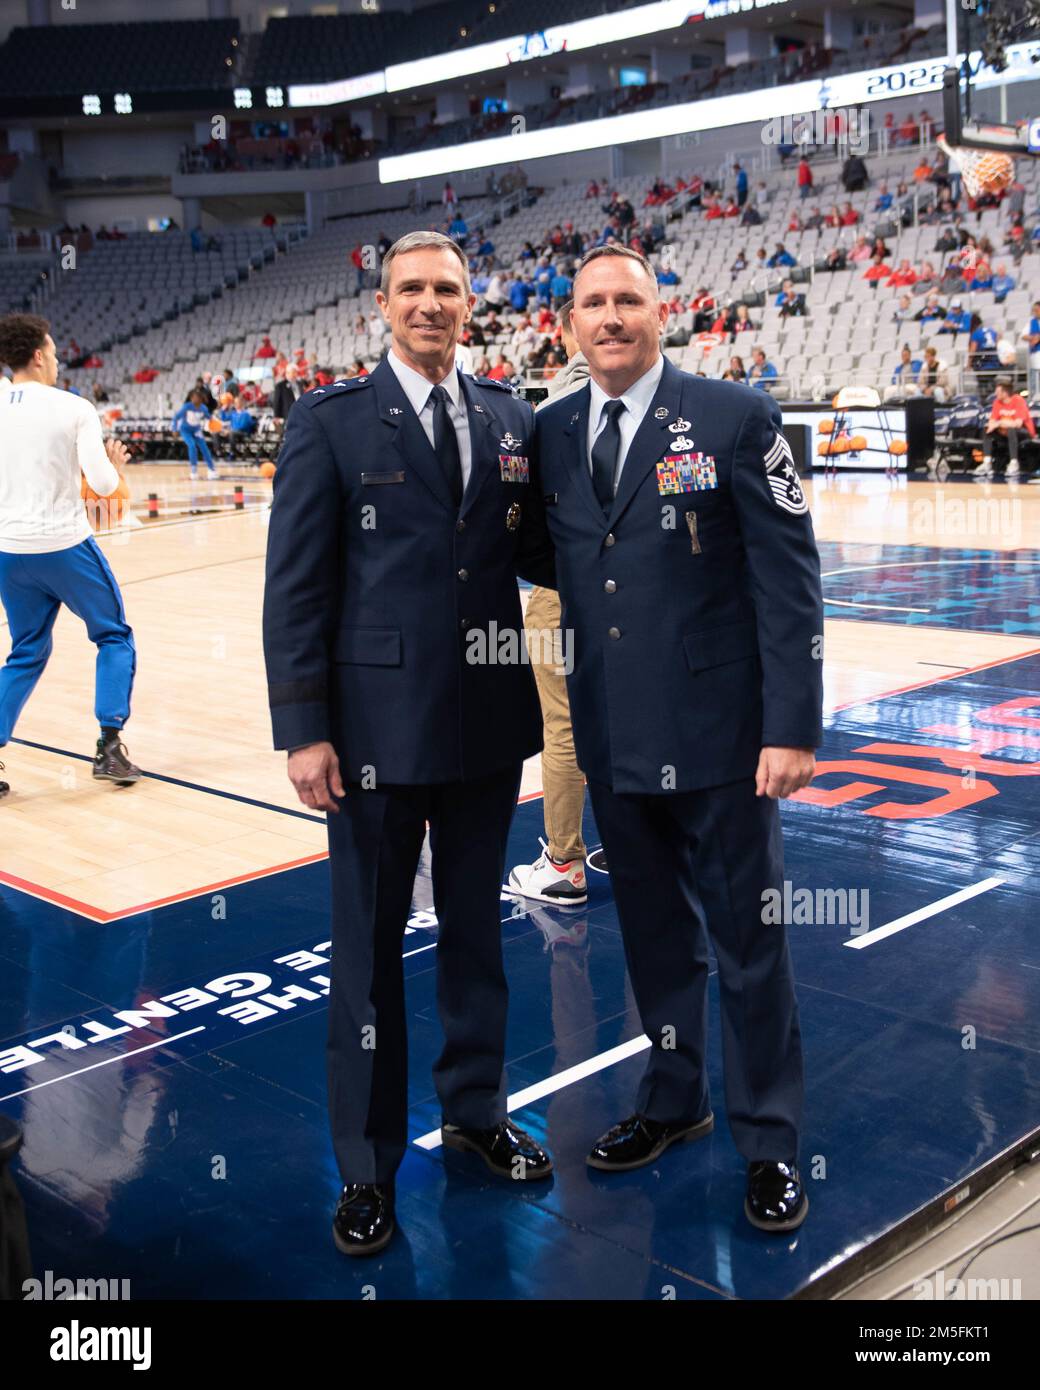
column 32, row 589
column 196, row 443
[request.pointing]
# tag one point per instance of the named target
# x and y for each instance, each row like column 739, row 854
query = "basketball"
column 267, row 469
column 214, row 425
column 103, row 512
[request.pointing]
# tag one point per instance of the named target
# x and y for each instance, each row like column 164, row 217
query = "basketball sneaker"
column 984, row 470
column 1012, row 469
column 111, row 763
column 550, row 882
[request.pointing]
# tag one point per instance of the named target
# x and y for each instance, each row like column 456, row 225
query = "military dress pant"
column 374, row 847
column 683, row 865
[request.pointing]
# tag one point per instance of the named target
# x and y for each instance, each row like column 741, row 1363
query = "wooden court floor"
column 211, row 811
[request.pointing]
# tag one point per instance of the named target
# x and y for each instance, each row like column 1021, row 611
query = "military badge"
column 508, row 442
column 782, row 477
column 513, row 516
column 661, row 413
column 680, row 426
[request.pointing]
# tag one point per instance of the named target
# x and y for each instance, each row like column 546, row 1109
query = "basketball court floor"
column 164, row 951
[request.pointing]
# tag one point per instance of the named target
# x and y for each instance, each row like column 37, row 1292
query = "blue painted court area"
column 192, row 1156
column 984, row 590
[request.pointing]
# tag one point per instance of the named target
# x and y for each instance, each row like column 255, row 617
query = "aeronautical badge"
column 661, row 413
column 508, row 442
column 682, row 444
column 782, row 477
column 680, row 426
column 513, row 516
column 513, row 469
column 678, row 473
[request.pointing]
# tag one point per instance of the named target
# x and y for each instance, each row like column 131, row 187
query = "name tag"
column 678, row 473
column 513, row 469
column 372, row 479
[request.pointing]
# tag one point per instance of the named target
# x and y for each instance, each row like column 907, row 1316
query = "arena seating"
column 307, row 298
column 155, row 56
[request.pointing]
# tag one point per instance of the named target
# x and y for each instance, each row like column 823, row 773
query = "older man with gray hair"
column 405, row 504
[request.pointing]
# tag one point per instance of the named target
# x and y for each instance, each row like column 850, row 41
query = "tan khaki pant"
column 563, row 781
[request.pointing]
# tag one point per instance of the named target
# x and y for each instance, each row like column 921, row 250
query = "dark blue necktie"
column 446, row 443
column 605, row 455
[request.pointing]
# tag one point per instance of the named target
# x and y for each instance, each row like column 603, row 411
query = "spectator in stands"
column 904, row 310
column 907, row 368
column 449, row 198
column 493, row 325
column 908, row 130
column 498, row 371
column 93, row 361
column 804, row 179
column 592, row 190
column 835, row 259
column 860, row 250
column 982, row 346
column 927, row 278
column 1030, row 335
column 904, row 276
column 230, row 384
column 854, row 176
column 524, row 338
column 560, row 286
column 751, row 217
column 790, row 302
column 1016, row 198
column 458, row 228
column 884, row 199
column 1002, row 283
column 202, row 386
column 923, row 170
column 742, row 184
column 704, row 307
column 269, row 221
column 879, row 248
column 377, row 325
column 877, row 271
column 357, row 258
column 833, row 218
column 1008, row 417
column 286, row 393
column 734, row 320
column 957, row 320
column 99, row 393
column 543, row 278
column 931, row 310
column 933, row 379
column 736, row 371
column 849, row 215
column 145, row 374
column 667, row 274
column 497, row 294
column 978, row 274
column 482, row 368
column 265, row 350
column 761, row 371
column 190, row 423
column 281, row 361
column 795, row 223
column 66, row 385
column 761, row 259
column 739, row 264
column 815, row 221
column 781, row 256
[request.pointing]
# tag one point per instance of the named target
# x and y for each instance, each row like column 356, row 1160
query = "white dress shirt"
column 637, row 402
column 420, row 391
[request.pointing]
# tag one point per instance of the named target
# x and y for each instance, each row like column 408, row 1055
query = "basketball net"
column 982, row 171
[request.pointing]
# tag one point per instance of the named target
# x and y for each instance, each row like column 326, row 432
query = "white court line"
column 107, row 1062
column 556, row 1083
column 890, row 928
column 888, row 607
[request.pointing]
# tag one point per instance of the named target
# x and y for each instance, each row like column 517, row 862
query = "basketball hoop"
column 982, row 171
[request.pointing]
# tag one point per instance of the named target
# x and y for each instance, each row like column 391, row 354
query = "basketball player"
column 48, row 555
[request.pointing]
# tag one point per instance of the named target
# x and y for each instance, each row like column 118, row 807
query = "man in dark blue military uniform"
column 405, row 504
column 689, row 575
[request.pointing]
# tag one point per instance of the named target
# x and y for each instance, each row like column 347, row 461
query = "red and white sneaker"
column 549, row 882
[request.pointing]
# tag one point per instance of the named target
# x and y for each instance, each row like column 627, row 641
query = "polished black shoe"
column 111, row 764
column 776, row 1199
column 639, row 1140
column 364, row 1220
column 507, row 1150
column 4, row 786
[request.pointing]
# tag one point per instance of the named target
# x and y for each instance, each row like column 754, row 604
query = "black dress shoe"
column 776, row 1199
column 364, row 1220
column 639, row 1140
column 507, row 1150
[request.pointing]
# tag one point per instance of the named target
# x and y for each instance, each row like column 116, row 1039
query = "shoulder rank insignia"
column 782, row 477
